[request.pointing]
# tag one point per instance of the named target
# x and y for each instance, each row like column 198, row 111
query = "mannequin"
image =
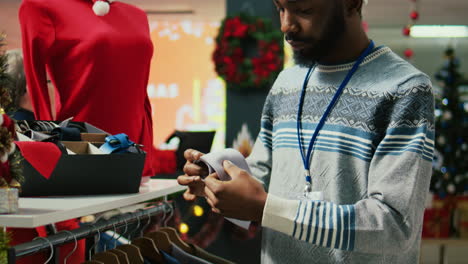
column 99, row 65
column 97, row 54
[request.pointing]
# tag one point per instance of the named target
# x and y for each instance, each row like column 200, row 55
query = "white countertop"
column 36, row 212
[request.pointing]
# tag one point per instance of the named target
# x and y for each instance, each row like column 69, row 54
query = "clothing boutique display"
column 373, row 166
column 99, row 65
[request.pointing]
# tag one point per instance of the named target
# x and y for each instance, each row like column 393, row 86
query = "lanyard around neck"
column 306, row 157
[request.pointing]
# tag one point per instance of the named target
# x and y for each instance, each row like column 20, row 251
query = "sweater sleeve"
column 260, row 159
column 38, row 36
column 389, row 219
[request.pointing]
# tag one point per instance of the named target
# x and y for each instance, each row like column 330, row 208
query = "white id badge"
column 311, row 196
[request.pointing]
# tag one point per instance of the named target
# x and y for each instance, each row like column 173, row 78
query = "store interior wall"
column 245, row 108
column 428, row 52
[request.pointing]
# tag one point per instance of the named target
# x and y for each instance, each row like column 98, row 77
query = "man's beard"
column 320, row 48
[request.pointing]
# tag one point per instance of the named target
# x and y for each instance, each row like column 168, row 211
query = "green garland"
column 4, row 242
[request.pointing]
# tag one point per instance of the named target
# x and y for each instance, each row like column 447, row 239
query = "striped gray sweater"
column 372, row 161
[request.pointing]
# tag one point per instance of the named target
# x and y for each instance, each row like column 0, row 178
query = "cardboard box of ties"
column 78, row 167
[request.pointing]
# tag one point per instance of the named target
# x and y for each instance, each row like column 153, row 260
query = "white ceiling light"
column 439, row 31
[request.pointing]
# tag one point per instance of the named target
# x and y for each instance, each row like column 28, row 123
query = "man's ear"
column 353, row 6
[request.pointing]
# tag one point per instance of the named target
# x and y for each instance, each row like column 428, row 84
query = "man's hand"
column 243, row 197
column 192, row 175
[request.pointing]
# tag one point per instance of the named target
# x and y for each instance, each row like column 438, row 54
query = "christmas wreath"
column 249, row 53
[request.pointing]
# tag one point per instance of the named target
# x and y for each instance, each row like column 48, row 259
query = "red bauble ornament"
column 414, row 15
column 409, row 53
column 406, row 31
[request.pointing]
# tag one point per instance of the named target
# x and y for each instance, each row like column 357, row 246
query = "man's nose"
column 289, row 23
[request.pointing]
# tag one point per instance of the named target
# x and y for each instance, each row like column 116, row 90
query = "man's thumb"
column 231, row 169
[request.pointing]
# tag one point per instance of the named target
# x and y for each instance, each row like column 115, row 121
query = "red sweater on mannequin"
column 99, row 66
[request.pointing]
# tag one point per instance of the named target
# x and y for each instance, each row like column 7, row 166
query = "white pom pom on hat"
column 366, row 2
column 101, row 7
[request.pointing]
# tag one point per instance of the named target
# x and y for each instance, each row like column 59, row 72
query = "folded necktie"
column 43, row 156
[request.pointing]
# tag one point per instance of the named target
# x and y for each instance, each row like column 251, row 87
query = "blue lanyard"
column 306, row 158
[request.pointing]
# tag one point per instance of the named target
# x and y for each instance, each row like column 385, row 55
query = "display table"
column 36, row 212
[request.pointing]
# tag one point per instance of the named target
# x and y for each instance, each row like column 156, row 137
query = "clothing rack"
column 86, row 231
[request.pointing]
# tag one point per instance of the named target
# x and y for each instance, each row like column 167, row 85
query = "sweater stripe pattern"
column 372, row 162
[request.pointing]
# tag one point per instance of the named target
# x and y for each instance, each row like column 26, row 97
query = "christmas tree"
column 451, row 156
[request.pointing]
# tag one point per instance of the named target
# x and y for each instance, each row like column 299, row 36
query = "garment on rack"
column 108, row 240
column 24, row 235
column 201, row 253
column 168, row 258
column 99, row 65
column 186, row 258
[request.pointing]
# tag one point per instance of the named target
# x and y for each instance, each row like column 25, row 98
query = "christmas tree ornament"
column 406, row 31
column 441, row 140
column 409, row 53
column 447, row 115
column 414, row 15
column 446, row 176
column 451, row 188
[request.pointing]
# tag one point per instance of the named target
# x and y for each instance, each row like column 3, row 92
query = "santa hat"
column 101, row 7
